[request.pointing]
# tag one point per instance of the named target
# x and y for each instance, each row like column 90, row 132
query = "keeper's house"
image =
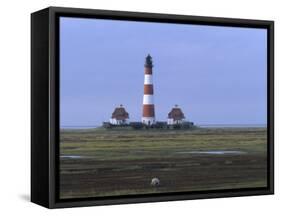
column 176, row 116
column 120, row 116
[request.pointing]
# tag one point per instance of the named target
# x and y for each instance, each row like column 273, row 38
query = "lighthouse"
column 148, row 114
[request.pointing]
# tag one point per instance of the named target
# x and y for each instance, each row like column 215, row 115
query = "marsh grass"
column 120, row 162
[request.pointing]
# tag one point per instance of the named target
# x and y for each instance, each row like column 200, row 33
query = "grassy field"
column 100, row 162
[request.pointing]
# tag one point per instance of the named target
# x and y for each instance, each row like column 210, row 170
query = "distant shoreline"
column 200, row 126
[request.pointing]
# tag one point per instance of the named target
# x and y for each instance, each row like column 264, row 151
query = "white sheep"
column 155, row 182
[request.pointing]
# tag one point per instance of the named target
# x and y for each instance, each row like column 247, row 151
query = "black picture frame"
column 45, row 105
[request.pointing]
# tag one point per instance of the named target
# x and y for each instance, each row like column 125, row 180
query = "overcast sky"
column 217, row 75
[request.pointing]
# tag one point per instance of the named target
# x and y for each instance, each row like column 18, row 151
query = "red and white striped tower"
column 148, row 114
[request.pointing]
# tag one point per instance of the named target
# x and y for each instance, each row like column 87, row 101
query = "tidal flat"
column 113, row 162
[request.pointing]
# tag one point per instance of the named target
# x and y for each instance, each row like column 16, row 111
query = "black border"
column 55, row 13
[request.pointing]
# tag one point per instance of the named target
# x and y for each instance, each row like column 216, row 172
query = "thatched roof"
column 176, row 114
column 120, row 113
